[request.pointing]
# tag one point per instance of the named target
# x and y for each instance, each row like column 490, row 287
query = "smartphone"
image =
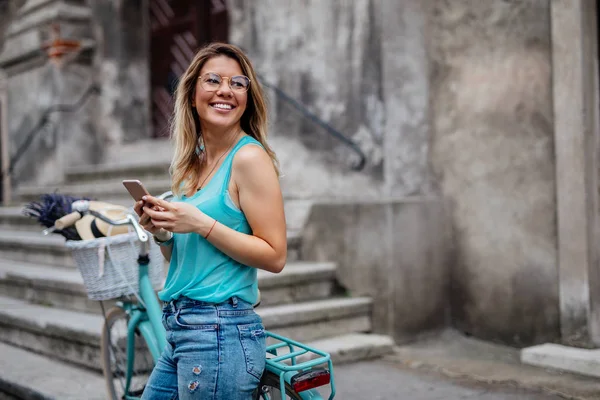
column 135, row 189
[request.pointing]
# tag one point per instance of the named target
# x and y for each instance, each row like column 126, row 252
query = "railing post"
column 4, row 142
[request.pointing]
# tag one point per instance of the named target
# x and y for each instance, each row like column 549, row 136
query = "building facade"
column 489, row 107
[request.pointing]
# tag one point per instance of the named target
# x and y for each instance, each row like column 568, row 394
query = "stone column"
column 575, row 86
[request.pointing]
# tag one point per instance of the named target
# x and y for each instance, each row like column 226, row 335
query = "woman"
column 225, row 222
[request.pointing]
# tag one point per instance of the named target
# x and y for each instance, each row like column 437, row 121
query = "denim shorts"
column 214, row 352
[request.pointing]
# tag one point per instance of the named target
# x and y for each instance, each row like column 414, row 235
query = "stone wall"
column 115, row 57
column 122, row 59
column 34, row 86
column 360, row 66
column 493, row 156
column 395, row 252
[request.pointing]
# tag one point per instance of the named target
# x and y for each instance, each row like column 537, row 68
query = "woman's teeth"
column 222, row 106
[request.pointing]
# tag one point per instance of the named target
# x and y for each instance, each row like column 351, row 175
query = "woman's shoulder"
column 251, row 158
column 249, row 140
column 249, row 153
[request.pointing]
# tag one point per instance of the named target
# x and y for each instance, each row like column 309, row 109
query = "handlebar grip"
column 67, row 220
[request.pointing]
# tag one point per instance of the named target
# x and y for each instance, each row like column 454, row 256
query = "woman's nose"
column 224, row 88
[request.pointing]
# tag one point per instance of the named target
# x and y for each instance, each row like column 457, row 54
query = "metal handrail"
column 315, row 119
column 92, row 88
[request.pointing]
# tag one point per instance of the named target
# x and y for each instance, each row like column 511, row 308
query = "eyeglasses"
column 211, row 82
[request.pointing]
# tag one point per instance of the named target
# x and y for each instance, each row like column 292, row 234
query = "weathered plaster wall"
column 116, row 58
column 361, row 67
column 404, row 270
column 493, row 156
column 34, row 85
column 122, row 58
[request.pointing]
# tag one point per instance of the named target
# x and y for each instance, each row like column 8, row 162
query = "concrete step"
column 564, row 358
column 75, row 336
column 28, row 376
column 12, row 219
column 63, row 287
column 144, row 171
column 61, row 381
column 33, row 247
column 105, row 190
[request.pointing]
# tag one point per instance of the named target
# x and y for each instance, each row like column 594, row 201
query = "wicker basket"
column 109, row 265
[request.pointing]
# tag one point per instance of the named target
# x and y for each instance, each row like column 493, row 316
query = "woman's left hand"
column 176, row 217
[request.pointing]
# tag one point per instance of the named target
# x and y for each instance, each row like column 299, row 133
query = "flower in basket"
column 51, row 207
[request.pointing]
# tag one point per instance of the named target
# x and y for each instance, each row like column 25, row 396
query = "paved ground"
column 445, row 367
column 388, row 380
column 451, row 366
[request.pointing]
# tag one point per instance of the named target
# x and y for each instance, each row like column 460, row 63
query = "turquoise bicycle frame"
column 146, row 318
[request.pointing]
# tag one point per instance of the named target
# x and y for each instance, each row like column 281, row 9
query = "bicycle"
column 133, row 337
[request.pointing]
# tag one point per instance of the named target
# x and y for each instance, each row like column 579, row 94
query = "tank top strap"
column 228, row 163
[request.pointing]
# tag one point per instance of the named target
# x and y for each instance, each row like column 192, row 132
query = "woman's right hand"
column 145, row 220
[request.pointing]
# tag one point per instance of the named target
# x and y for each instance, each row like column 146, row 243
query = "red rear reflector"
column 310, row 379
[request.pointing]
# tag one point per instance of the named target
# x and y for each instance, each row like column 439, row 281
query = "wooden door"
column 179, row 29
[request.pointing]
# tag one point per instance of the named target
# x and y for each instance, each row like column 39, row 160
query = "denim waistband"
column 185, row 302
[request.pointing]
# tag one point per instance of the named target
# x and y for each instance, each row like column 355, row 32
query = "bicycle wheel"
column 113, row 349
column 269, row 389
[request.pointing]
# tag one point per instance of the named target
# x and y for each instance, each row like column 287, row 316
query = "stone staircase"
column 49, row 328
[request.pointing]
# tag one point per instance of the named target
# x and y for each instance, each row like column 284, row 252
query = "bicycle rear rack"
column 288, row 362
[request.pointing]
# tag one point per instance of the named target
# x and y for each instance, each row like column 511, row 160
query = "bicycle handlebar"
column 82, row 207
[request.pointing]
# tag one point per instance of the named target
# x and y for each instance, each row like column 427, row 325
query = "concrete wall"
column 116, row 58
column 493, row 156
column 360, row 66
column 34, row 85
column 122, row 59
column 394, row 251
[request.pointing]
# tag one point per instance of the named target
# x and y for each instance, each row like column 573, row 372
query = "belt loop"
column 234, row 301
column 173, row 308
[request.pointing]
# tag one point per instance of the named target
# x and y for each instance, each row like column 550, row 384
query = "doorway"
column 5, row 189
column 178, row 29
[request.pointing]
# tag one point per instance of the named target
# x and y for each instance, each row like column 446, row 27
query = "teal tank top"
column 200, row 271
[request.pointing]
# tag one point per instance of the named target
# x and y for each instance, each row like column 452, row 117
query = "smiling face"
column 222, row 108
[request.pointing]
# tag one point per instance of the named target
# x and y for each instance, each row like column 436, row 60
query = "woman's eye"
column 212, row 81
column 237, row 84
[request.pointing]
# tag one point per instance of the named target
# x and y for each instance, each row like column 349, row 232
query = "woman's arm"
column 262, row 203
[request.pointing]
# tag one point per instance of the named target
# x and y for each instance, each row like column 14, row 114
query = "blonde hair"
column 185, row 124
